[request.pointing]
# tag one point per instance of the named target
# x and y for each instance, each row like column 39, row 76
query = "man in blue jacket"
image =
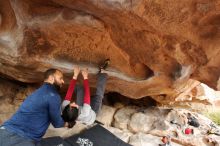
column 27, row 126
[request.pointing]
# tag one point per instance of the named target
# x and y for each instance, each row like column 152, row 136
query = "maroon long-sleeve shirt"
column 86, row 91
column 86, row 114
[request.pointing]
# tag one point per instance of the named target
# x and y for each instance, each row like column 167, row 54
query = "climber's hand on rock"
column 76, row 71
column 85, row 73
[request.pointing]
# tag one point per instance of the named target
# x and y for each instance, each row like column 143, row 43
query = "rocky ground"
column 146, row 126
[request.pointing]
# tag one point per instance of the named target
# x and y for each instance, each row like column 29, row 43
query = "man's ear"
column 51, row 79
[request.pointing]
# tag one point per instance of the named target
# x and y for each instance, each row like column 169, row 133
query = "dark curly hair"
column 70, row 115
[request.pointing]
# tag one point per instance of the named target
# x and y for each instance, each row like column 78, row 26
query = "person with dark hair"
column 27, row 126
column 84, row 109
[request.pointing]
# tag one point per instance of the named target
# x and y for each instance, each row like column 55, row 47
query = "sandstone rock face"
column 141, row 122
column 141, row 139
column 154, row 46
column 122, row 117
column 106, row 115
column 7, row 97
column 123, row 135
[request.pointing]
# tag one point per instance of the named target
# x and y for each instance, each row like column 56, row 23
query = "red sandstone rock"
column 155, row 47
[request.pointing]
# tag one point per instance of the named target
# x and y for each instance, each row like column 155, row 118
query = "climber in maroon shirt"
column 84, row 110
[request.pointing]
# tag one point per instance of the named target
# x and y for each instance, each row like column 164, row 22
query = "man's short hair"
column 49, row 72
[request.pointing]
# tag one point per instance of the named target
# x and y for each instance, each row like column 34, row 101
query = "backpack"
column 193, row 121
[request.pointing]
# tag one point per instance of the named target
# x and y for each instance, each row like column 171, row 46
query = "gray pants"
column 96, row 100
column 11, row 139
